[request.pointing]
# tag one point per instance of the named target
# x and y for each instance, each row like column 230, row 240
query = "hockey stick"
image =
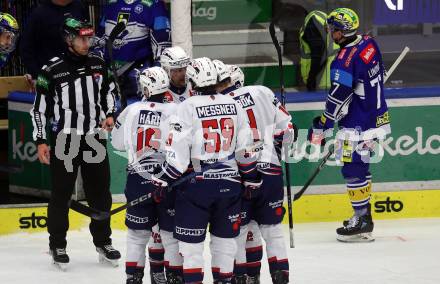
column 330, row 152
column 283, row 102
column 101, row 215
column 119, row 28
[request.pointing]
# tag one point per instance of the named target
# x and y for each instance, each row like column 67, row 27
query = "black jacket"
column 73, row 93
column 42, row 38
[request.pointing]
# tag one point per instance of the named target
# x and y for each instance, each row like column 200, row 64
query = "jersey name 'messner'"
column 222, row 109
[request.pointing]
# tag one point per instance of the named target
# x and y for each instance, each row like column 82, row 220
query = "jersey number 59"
column 218, row 134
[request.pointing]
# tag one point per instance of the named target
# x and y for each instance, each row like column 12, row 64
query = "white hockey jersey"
column 177, row 95
column 142, row 130
column 210, row 129
column 268, row 120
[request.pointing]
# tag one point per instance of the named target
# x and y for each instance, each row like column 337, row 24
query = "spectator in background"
column 42, row 38
column 317, row 51
column 8, row 36
column 147, row 34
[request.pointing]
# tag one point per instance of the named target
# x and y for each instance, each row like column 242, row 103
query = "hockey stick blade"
column 119, row 28
column 88, row 211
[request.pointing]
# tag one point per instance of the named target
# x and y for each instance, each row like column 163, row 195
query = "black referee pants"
column 96, row 183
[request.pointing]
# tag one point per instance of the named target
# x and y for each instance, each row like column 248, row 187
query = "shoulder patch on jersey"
column 342, row 53
column 350, row 56
column 368, row 53
column 43, row 82
column 147, row 3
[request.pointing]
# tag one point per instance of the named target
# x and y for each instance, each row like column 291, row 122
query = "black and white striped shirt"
column 74, row 93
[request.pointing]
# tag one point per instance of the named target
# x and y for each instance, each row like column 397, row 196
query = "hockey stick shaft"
column 330, row 152
column 283, row 102
column 101, row 215
column 119, row 28
column 396, row 63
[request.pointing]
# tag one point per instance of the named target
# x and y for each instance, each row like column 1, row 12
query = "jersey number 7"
column 218, row 134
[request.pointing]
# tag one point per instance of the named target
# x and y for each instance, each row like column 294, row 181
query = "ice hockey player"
column 212, row 132
column 8, row 36
column 141, row 130
column 356, row 102
column 163, row 247
column 147, row 34
column 175, row 60
column 270, row 123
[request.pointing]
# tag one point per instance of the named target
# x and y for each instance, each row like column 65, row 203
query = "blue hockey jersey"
column 356, row 97
column 147, row 28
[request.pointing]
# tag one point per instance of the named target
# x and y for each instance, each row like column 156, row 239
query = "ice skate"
column 108, row 254
column 157, row 278
column 173, row 278
column 253, row 279
column 59, row 258
column 358, row 229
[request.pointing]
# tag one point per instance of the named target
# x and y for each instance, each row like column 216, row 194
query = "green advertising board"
column 412, row 151
column 221, row 12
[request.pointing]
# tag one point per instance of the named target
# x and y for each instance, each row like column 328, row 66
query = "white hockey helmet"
column 223, row 71
column 202, row 72
column 173, row 58
column 154, row 81
column 237, row 76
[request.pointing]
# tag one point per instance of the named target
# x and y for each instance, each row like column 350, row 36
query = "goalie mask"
column 9, row 33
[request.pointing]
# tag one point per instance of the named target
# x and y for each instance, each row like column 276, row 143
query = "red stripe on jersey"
column 254, row 249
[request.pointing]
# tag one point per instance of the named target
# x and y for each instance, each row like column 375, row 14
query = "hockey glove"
column 160, row 189
column 316, row 132
column 251, row 188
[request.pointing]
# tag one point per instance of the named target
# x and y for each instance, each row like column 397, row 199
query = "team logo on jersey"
column 139, row 8
column 245, row 100
column 181, row 99
column 97, row 77
column 216, row 110
column 148, row 117
column 368, row 53
column 123, row 17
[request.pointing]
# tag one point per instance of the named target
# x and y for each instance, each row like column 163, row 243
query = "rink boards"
column 310, row 208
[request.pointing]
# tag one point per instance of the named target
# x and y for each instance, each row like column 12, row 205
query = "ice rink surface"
column 405, row 252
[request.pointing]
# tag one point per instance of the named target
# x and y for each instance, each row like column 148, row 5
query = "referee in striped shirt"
column 75, row 96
